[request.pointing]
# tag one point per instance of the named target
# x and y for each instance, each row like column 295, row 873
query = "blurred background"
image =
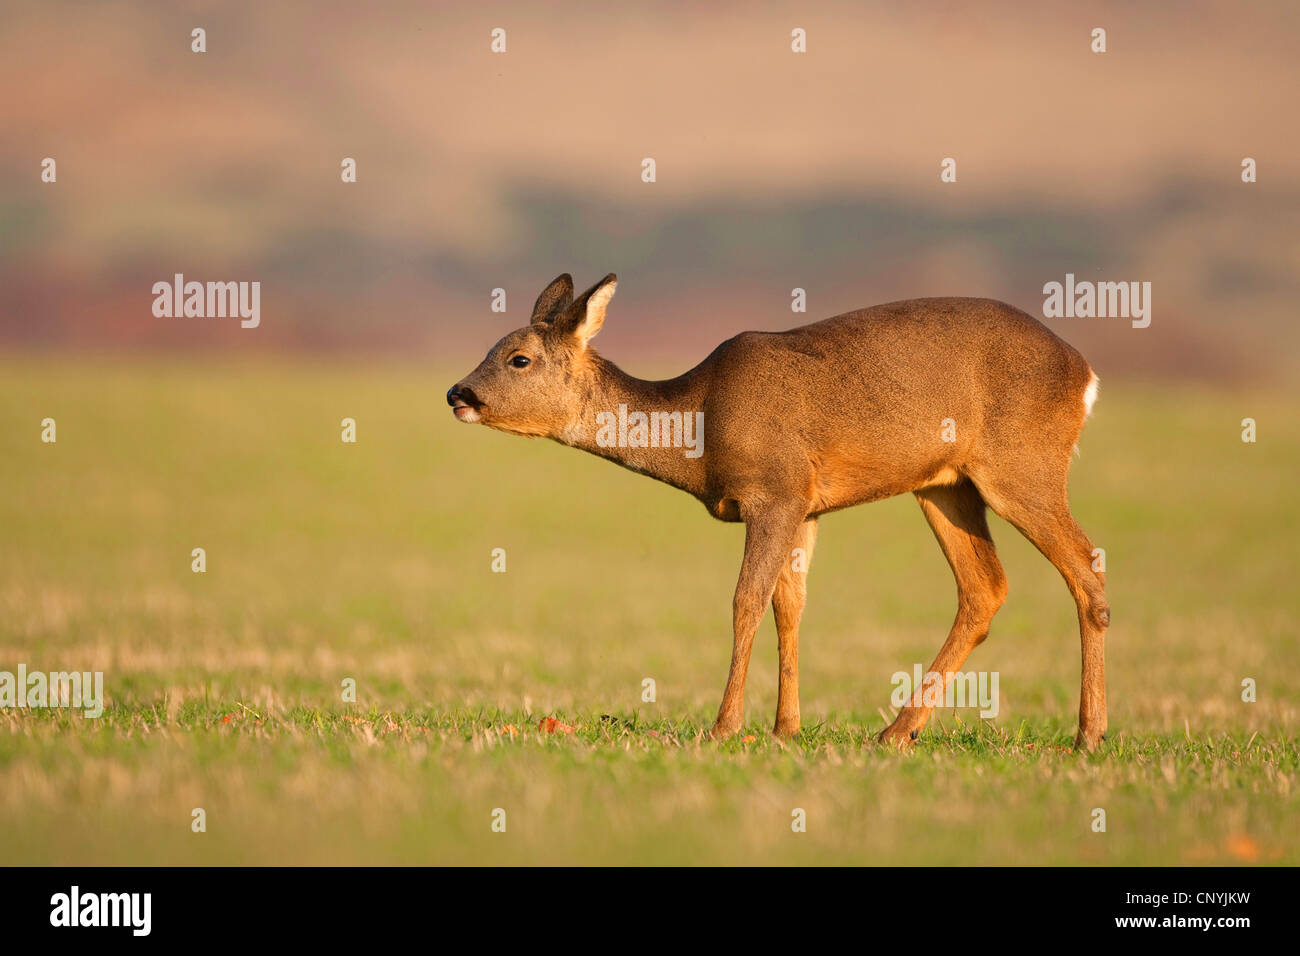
column 775, row 170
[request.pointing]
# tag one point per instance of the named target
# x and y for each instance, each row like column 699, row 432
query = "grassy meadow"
column 372, row 561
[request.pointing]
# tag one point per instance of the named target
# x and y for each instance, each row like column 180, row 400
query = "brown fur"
column 830, row 415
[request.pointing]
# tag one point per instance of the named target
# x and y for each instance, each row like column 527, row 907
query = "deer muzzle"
column 464, row 403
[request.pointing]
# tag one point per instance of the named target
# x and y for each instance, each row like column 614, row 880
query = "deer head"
column 531, row 381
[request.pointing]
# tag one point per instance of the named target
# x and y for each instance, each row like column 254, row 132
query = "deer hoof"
column 722, row 731
column 898, row 737
column 1086, row 742
column 786, row 729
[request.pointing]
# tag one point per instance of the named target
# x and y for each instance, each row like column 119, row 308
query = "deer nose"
column 462, row 394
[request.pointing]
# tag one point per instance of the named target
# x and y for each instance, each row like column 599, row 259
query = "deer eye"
column 520, row 361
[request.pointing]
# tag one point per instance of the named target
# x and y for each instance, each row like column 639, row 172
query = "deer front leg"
column 769, row 537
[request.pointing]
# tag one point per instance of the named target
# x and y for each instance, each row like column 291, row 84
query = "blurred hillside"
column 775, row 170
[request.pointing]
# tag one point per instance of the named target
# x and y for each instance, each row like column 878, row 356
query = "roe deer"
column 966, row 403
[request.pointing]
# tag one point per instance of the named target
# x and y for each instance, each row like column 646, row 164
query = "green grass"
column 372, row 561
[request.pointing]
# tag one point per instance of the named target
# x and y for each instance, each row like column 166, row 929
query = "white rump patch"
column 1090, row 394
column 1089, row 397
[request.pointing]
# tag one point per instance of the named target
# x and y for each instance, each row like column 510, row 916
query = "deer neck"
column 655, row 428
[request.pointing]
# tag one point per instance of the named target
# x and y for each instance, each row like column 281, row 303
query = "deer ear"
column 583, row 319
column 555, row 298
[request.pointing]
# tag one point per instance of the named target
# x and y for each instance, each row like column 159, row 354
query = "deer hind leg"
column 1045, row 519
column 787, row 605
column 769, row 537
column 957, row 517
